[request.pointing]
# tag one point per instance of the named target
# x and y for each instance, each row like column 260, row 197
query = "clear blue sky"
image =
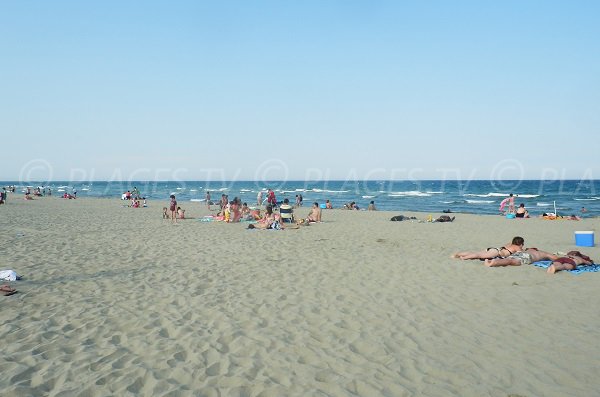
column 299, row 89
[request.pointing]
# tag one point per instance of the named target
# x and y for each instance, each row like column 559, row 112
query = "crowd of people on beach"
column 515, row 254
column 274, row 216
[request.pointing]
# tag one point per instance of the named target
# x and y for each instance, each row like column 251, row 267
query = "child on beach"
column 173, row 208
column 180, row 213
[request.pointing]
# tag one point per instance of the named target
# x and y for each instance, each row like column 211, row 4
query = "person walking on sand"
column 526, row 257
column 259, row 198
column 173, row 208
column 516, row 245
column 207, row 198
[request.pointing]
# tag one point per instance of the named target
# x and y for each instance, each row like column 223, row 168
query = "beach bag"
column 275, row 225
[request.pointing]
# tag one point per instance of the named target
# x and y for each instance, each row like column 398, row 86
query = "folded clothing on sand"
column 593, row 268
column 9, row 275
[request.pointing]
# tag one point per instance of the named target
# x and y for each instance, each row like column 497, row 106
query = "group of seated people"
column 351, row 206
column 273, row 220
column 515, row 254
column 135, row 203
column 235, row 211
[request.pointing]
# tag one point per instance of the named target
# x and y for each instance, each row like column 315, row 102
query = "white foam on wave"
column 193, row 190
column 528, row 195
column 245, row 190
column 368, row 196
column 544, row 204
column 587, row 199
column 197, row 200
column 411, row 193
column 479, row 201
column 428, row 192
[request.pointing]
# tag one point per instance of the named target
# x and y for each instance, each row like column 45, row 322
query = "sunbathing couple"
column 514, row 254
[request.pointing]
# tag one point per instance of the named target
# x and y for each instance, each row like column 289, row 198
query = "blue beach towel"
column 593, row 268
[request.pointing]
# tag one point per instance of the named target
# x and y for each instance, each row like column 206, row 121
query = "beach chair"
column 286, row 213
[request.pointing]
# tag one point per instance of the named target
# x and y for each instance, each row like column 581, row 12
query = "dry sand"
column 118, row 302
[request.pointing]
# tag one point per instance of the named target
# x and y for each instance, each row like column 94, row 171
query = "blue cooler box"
column 584, row 239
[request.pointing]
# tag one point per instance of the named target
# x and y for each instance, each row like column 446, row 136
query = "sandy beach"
column 116, row 301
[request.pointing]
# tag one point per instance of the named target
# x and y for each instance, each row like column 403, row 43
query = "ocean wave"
column 324, row 191
column 197, row 199
column 480, row 201
column 588, row 199
column 544, row 204
column 365, row 197
column 428, row 192
column 452, row 202
column 410, row 193
column 501, row 195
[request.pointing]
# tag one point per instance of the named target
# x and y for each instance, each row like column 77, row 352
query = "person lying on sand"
column 526, row 257
column 516, row 245
column 444, row 218
column 569, row 262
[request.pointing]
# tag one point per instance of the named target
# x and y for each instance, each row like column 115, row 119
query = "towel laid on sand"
column 580, row 269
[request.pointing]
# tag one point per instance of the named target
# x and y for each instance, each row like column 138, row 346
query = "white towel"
column 9, row 275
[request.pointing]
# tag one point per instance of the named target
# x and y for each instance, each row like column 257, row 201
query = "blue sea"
column 475, row 196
